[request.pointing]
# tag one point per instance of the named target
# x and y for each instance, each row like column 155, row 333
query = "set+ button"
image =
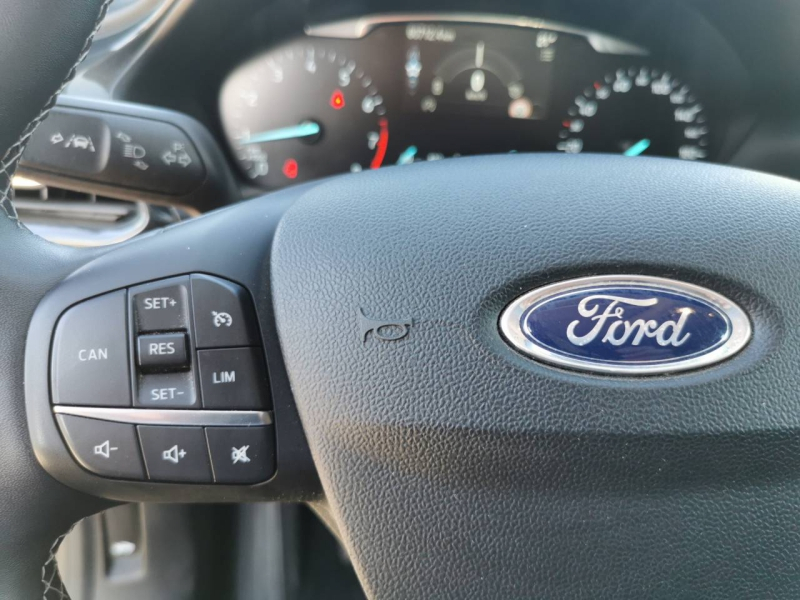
column 162, row 306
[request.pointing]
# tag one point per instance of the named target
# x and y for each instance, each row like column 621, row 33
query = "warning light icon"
column 290, row 168
column 337, row 100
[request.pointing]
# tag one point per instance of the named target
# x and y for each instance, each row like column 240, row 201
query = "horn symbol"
column 387, row 331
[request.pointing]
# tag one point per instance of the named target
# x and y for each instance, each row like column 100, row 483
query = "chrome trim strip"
column 740, row 328
column 359, row 27
column 147, row 416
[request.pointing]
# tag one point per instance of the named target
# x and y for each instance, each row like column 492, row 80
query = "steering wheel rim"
column 42, row 44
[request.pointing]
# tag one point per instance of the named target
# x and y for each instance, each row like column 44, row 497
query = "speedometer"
column 301, row 113
column 637, row 110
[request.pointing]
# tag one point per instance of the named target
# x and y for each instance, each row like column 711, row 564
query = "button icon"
column 223, row 377
column 222, row 318
column 173, row 455
column 177, row 154
column 239, row 455
column 105, row 449
column 87, row 354
column 133, row 151
column 167, row 394
column 152, row 303
column 81, row 142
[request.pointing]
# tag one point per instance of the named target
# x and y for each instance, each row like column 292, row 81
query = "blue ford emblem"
column 626, row 325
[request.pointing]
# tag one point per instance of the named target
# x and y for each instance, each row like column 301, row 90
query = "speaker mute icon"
column 173, row 455
column 105, row 449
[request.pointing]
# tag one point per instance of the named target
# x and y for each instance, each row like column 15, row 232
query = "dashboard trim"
column 360, row 27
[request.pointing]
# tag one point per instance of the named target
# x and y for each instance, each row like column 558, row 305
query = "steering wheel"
column 455, row 450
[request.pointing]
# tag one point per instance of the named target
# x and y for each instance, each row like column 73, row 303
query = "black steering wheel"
column 473, row 376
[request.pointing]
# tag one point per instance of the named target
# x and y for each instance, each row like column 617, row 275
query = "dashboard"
column 390, row 90
column 281, row 92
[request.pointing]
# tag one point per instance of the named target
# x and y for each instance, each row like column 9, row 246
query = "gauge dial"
column 301, row 113
column 636, row 111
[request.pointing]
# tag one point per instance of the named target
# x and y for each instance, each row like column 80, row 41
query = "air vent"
column 78, row 218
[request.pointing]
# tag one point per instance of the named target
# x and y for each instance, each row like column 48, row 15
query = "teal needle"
column 637, row 148
column 306, row 129
column 407, row 156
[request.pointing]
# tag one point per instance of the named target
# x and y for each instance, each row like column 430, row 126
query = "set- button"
column 167, row 390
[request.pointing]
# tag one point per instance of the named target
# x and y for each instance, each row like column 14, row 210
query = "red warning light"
column 290, row 168
column 337, row 100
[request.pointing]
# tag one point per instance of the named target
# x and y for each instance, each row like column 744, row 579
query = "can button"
column 90, row 354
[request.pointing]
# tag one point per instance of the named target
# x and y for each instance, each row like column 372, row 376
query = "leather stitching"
column 54, row 588
column 10, row 160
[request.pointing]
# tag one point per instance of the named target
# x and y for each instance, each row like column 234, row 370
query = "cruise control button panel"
column 144, row 356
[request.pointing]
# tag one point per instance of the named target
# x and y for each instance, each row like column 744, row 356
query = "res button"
column 163, row 352
column 90, row 354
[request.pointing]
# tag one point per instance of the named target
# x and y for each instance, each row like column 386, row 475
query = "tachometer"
column 303, row 112
column 636, row 111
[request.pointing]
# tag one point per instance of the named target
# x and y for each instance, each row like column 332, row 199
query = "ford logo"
column 625, row 325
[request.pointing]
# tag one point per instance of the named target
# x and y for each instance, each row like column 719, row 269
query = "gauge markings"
column 634, row 110
column 302, row 112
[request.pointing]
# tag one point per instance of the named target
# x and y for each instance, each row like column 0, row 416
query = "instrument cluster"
column 376, row 92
